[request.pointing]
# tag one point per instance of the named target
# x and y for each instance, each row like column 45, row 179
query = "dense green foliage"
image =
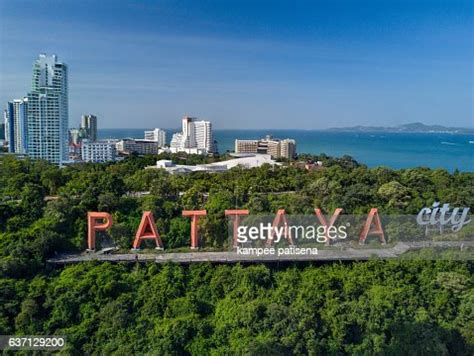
column 393, row 308
column 375, row 307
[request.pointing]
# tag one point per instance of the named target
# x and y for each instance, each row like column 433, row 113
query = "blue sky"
column 249, row 64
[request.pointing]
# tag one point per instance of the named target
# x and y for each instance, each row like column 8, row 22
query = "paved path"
column 335, row 254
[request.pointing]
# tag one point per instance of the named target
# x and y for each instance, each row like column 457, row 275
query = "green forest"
column 420, row 307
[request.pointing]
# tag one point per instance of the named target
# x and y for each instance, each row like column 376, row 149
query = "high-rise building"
column 156, row 135
column 9, row 133
column 275, row 147
column 89, row 124
column 288, row 148
column 204, row 138
column 2, row 131
column 189, row 132
column 48, row 116
column 6, row 128
column 77, row 135
column 5, row 123
column 196, row 137
column 17, row 118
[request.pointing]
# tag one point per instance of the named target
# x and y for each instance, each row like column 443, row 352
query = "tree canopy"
column 375, row 307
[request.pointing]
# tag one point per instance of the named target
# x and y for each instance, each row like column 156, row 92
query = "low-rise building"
column 246, row 146
column 98, row 151
column 248, row 161
column 139, row 146
column 275, row 147
column 189, row 151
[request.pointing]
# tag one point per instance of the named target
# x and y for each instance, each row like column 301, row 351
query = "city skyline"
column 249, row 65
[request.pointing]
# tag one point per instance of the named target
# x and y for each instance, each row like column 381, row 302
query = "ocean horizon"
column 394, row 150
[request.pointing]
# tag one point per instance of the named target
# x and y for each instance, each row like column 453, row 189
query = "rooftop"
column 249, row 161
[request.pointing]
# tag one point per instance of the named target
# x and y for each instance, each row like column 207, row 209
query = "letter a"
column 147, row 230
column 375, row 219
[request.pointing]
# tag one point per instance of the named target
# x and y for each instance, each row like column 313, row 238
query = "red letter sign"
column 236, row 214
column 194, row 214
column 93, row 226
column 279, row 219
column 324, row 222
column 377, row 228
column 147, row 230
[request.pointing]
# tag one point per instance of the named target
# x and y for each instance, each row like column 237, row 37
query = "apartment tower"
column 48, row 116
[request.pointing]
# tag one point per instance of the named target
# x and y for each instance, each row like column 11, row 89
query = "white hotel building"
column 196, row 137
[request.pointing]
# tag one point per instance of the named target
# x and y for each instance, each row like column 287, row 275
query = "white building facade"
column 98, row 151
column 196, row 137
column 156, row 135
column 48, row 116
column 17, row 120
column 247, row 162
column 204, row 137
column 6, row 126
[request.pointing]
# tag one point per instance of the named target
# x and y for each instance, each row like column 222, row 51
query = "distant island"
column 416, row 127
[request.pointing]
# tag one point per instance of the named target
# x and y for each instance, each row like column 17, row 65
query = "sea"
column 394, row 150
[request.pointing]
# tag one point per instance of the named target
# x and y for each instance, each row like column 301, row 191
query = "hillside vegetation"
column 375, row 307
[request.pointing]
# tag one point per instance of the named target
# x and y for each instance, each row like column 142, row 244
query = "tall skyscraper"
column 48, row 116
column 204, row 137
column 89, row 124
column 17, row 119
column 6, row 127
column 2, row 131
column 189, row 133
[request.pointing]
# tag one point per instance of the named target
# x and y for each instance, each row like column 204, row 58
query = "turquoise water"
column 395, row 150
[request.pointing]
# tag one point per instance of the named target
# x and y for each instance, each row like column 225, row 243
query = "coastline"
column 397, row 150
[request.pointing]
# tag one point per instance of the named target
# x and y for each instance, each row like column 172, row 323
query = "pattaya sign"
column 269, row 230
column 279, row 228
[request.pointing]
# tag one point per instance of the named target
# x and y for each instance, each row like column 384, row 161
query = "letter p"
column 96, row 222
